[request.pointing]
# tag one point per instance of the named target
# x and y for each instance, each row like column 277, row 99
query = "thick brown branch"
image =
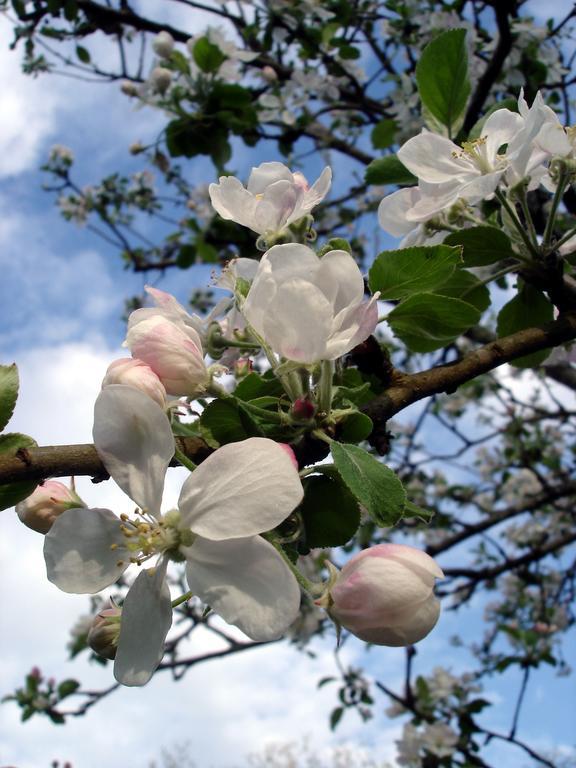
column 67, row 460
column 409, row 388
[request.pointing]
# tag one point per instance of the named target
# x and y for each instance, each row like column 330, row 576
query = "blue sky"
column 61, row 295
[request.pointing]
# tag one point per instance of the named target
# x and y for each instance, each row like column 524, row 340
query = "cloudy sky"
column 62, row 295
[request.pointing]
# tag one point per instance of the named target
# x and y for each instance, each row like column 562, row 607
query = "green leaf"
column 481, row 245
column 349, row 52
column 254, row 386
column 426, row 322
column 8, row 392
column 67, row 687
column 467, row 287
column 207, row 55
column 374, row 485
column 83, row 54
column 207, row 254
column 335, row 717
column 356, row 427
column 389, row 170
column 412, row 510
column 442, row 77
column 223, row 421
column 527, row 309
column 383, row 134
column 186, row 256
column 402, row 273
column 330, row 513
column 12, row 493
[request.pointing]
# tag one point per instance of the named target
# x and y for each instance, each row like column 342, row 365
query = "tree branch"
column 409, row 388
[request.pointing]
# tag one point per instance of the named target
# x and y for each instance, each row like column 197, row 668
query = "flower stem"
column 516, row 221
column 184, row 460
column 325, row 386
column 310, row 587
column 182, row 599
column 554, row 208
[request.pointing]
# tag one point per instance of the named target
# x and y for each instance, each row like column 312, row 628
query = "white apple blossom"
column 470, row 172
column 384, row 595
column 309, row 309
column 241, row 490
column 273, row 199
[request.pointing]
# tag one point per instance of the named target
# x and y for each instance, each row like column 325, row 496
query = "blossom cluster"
column 304, row 311
column 513, row 148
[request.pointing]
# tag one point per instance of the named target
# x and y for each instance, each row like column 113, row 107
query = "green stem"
column 325, row 386
column 516, row 221
column 218, row 391
column 184, row 460
column 554, row 208
column 563, row 239
column 528, row 216
column 320, row 435
column 311, row 587
column 182, row 599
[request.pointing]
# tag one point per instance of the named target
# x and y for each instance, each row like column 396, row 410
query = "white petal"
column 301, row 323
column 339, row 278
column 232, row 201
column 146, row 619
column 275, row 206
column 133, row 438
column 78, row 554
column 247, row 583
column 312, row 196
column 393, row 208
column 430, row 157
column 266, row 174
column 421, row 623
column 500, row 128
column 242, row 489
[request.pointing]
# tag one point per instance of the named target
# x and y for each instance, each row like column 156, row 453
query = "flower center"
column 144, row 536
column 475, row 151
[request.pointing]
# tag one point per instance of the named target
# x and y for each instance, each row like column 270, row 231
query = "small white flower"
column 273, row 199
column 309, row 309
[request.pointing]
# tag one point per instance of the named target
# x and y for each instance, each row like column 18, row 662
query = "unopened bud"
column 48, row 501
column 163, row 44
column 173, row 351
column 136, row 148
column 384, row 595
column 269, row 74
column 303, row 409
column 129, row 88
column 160, row 79
column 105, row 631
column 136, row 374
column 242, row 367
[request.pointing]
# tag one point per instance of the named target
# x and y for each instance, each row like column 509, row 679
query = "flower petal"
column 242, row 489
column 133, row 438
column 146, row 620
column 435, row 159
column 265, row 174
column 247, row 583
column 78, row 550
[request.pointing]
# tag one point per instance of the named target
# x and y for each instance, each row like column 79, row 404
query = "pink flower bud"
column 384, row 595
column 173, row 351
column 48, row 501
column 105, row 630
column 136, row 374
column 303, row 409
